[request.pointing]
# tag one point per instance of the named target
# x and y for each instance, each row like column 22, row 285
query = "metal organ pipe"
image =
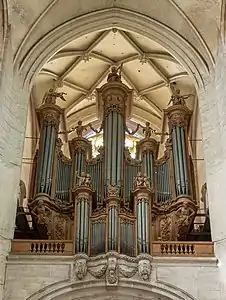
column 49, row 116
column 179, row 116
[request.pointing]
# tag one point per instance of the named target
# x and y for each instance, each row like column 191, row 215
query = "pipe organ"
column 113, row 202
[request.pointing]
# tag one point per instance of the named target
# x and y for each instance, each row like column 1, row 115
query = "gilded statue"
column 51, row 96
column 176, row 97
column 115, row 74
column 42, row 214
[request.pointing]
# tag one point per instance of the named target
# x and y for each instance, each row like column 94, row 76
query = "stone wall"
column 46, row 277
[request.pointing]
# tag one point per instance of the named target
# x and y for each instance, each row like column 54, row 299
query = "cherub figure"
column 146, row 181
column 80, row 128
column 81, row 179
column 88, row 180
column 147, row 130
column 138, row 180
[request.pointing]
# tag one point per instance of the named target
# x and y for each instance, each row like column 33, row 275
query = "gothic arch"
column 184, row 52
column 126, row 290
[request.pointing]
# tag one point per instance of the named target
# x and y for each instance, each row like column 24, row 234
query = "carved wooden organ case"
column 113, row 202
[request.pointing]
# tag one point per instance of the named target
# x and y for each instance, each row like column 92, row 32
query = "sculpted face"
column 144, row 269
column 80, row 268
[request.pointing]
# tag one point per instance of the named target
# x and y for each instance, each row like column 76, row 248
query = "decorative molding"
column 112, row 267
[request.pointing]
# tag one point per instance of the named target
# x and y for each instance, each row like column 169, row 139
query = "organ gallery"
column 111, row 201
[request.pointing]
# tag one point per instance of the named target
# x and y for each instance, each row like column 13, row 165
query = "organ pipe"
column 113, row 202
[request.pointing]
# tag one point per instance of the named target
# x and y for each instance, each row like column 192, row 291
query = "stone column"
column 213, row 109
column 13, row 112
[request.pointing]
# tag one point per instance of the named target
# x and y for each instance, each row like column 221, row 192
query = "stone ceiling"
column 84, row 64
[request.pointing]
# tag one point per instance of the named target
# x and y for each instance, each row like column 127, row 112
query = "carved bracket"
column 111, row 267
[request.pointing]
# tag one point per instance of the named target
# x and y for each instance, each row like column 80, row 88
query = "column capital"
column 49, row 114
column 178, row 115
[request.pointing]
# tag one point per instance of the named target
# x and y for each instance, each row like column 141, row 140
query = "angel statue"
column 79, row 129
column 115, row 74
column 176, row 97
column 147, row 130
column 52, row 94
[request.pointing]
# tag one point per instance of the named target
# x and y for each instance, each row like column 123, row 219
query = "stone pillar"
column 213, row 107
column 13, row 112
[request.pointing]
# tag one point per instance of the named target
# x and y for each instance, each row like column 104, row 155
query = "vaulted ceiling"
column 83, row 65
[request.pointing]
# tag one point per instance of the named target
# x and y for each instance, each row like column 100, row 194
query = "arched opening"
column 126, row 290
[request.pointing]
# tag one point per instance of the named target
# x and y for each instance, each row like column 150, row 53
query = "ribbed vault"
column 83, row 65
